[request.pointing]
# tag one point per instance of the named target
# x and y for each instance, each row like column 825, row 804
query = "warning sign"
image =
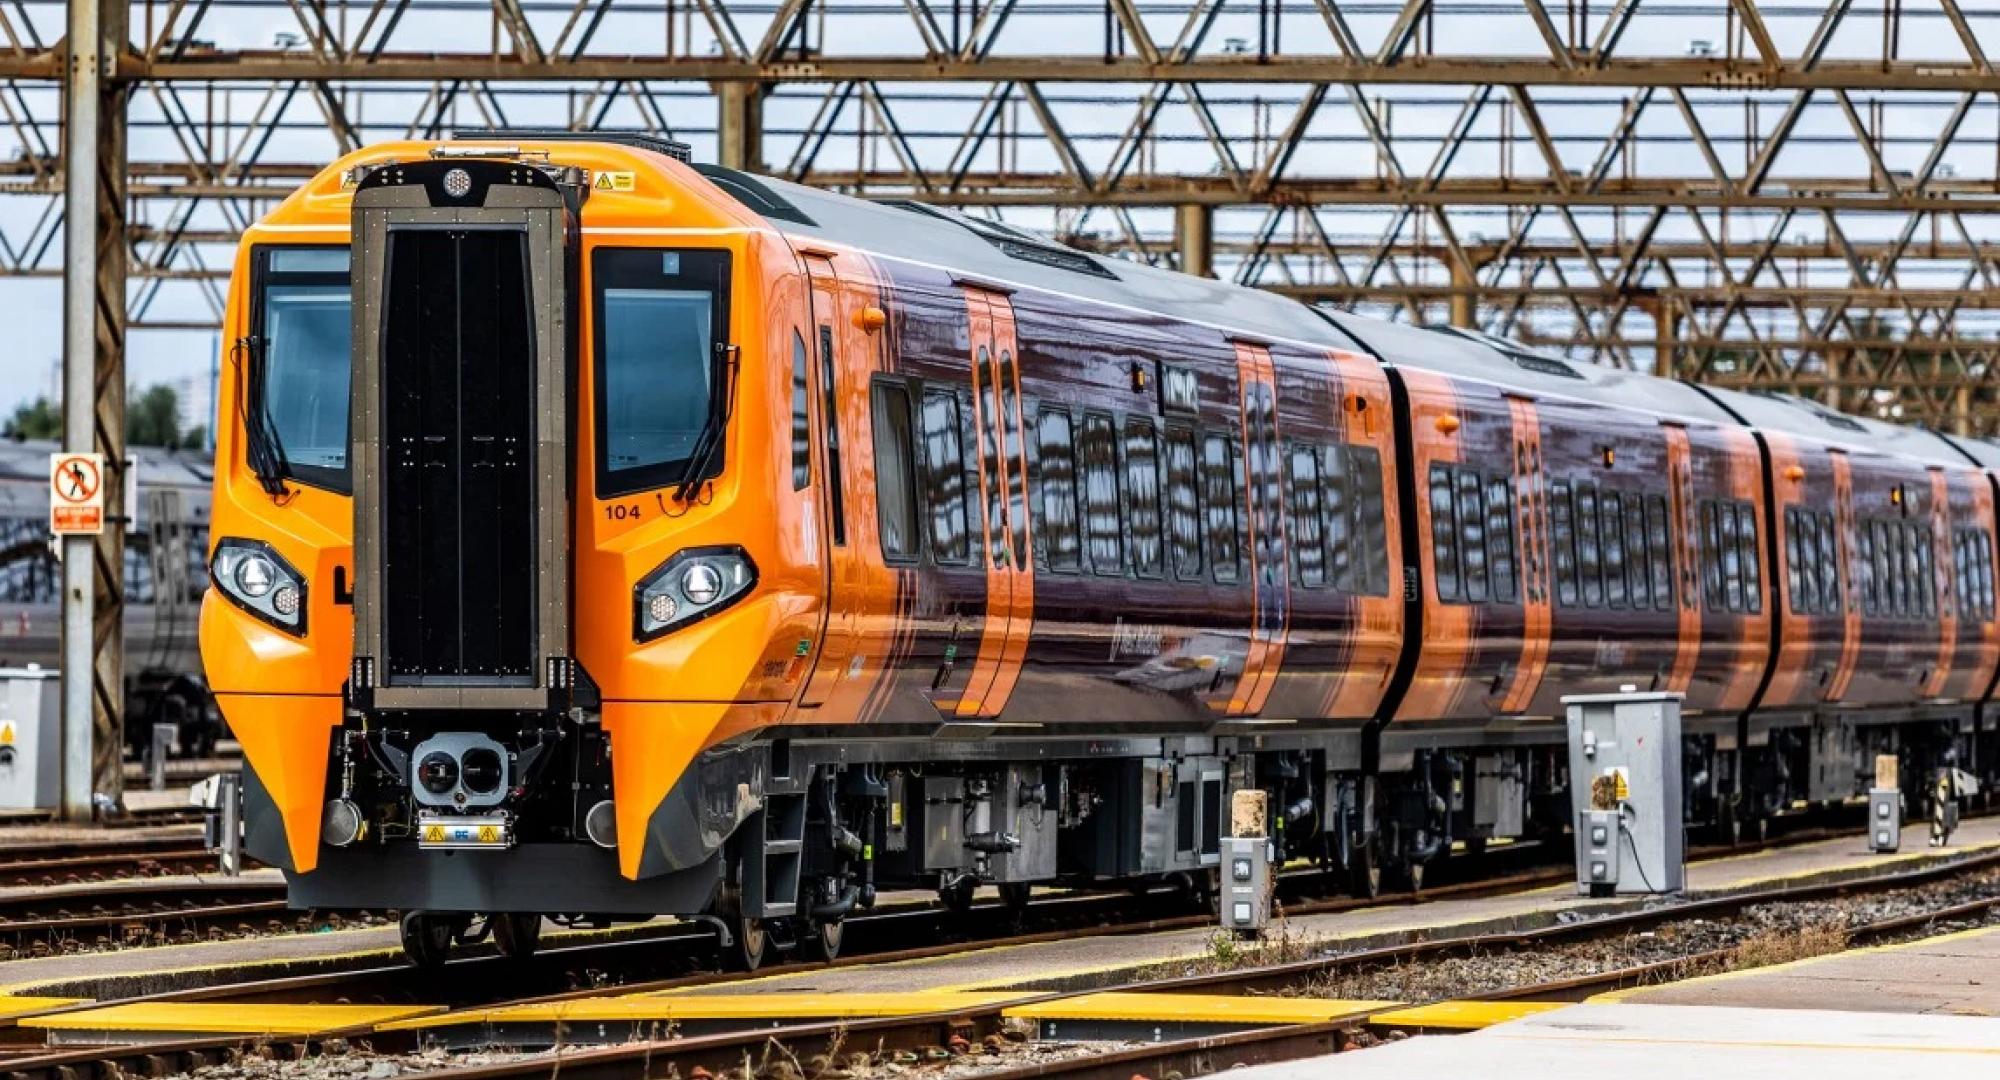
column 433, row 834
column 76, row 494
column 613, row 181
column 7, row 733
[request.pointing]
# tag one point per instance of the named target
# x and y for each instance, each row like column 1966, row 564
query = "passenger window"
column 1794, row 573
column 1983, row 560
column 1829, row 572
column 1100, row 494
column 1613, row 518
column 1142, row 491
column 1638, row 578
column 988, row 423
column 1183, row 507
column 895, row 478
column 1589, row 561
column 1711, row 555
column 1472, row 534
column 1500, row 539
column 1011, row 436
column 830, row 417
column 1926, row 543
column 1308, row 541
column 1864, row 564
column 944, row 479
column 1732, row 559
column 1562, row 536
column 1368, row 527
column 1659, row 546
column 1058, row 465
column 1444, row 535
column 1753, row 574
column 1219, row 505
column 801, row 423
column 1335, row 511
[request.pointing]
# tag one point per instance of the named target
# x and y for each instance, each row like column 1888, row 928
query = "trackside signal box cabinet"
column 29, row 740
column 1625, row 792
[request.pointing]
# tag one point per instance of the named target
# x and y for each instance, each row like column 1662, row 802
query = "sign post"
column 76, row 517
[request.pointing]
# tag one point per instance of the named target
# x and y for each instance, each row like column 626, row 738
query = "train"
column 600, row 534
column 166, row 572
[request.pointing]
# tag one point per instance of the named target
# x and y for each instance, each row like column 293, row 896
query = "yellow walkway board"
column 1197, row 1008
column 1464, row 1015
column 215, row 1018
column 14, row 1007
column 761, row 1007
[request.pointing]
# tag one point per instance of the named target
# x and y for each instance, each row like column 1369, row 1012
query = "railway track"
column 802, row 1043
column 805, row 1050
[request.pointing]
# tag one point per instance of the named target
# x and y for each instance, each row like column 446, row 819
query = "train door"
column 1002, row 456
column 1270, row 576
column 843, row 572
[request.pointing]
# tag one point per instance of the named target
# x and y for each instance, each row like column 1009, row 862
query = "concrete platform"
column 1952, row 974
column 1664, row 1042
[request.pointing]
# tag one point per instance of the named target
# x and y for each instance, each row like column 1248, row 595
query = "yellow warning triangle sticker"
column 489, row 835
column 7, row 733
column 434, row 834
column 603, row 182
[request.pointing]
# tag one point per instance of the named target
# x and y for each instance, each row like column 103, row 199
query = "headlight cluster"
column 260, row 582
column 690, row 587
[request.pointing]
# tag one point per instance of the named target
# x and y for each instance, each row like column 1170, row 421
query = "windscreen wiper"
column 262, row 448
column 721, row 406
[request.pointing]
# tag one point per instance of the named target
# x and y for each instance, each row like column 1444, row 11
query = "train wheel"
column 957, row 896
column 747, row 951
column 821, row 941
column 516, row 934
column 1015, row 895
column 427, row 938
column 1364, row 873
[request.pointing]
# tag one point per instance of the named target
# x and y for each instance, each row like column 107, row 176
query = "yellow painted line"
column 1196, row 1008
column 644, row 1007
column 212, row 1018
column 14, row 1007
column 1464, row 1015
column 1633, row 994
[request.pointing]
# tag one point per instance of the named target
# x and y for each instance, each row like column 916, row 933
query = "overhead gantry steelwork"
column 1800, row 196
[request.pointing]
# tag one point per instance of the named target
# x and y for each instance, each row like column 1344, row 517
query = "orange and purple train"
column 599, row 535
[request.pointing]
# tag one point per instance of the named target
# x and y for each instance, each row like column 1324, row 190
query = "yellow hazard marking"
column 489, row 834
column 1624, row 787
column 1196, row 1008
column 616, row 180
column 205, row 1018
column 785, row 1007
column 7, row 733
column 434, row 834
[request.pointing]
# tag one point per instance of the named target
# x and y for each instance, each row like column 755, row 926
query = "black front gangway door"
column 458, row 446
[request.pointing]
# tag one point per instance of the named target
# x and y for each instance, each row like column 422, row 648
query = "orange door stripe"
column 1687, row 576
column 1850, row 597
column 1531, row 556
column 1946, row 568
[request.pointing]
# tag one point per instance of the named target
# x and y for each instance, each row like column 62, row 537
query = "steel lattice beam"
column 1779, row 194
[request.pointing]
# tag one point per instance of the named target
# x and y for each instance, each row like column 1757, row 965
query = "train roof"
column 28, row 459
column 1806, row 419
column 1005, row 255
column 917, row 232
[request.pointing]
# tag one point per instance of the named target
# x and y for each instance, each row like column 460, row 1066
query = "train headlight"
column 690, row 587
column 259, row 580
column 255, row 575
